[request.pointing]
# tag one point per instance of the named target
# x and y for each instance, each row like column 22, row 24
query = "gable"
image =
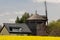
column 4, row 31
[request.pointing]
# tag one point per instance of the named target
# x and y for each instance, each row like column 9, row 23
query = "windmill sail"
column 46, row 11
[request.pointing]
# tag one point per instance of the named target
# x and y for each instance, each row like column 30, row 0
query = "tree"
column 24, row 17
column 17, row 20
column 50, row 25
column 58, row 20
column 54, row 28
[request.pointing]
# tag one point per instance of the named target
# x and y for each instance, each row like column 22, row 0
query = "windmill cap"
column 37, row 17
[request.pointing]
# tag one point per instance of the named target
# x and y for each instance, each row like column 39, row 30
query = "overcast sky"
column 10, row 9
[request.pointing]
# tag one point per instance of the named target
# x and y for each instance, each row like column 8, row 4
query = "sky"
column 10, row 9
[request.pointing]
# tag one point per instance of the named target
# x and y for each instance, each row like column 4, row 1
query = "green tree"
column 58, row 20
column 24, row 17
column 54, row 28
column 17, row 20
column 50, row 26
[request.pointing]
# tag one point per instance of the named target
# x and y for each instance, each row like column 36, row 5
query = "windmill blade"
column 46, row 11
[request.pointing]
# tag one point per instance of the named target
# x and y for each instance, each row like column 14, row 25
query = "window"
column 17, row 29
column 20, row 29
column 10, row 29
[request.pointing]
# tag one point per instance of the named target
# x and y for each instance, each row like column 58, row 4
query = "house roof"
column 37, row 17
column 24, row 27
column 0, row 27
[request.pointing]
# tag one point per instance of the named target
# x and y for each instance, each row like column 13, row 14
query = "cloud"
column 52, row 1
column 4, row 14
column 12, row 13
column 9, row 17
column 19, row 12
column 11, row 20
column 38, row 1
